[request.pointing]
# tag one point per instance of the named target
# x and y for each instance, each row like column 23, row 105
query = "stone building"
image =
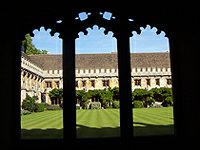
column 42, row 73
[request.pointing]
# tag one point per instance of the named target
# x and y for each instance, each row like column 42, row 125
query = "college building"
column 41, row 73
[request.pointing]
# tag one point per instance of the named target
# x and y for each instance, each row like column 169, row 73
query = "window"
column 69, row 92
column 105, row 83
column 150, row 88
column 137, row 82
column 97, row 105
column 169, row 82
column 48, row 84
column 158, row 82
column 84, row 83
column 92, row 83
column 44, row 90
column 148, row 82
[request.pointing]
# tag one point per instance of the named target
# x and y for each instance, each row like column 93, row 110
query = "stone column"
column 69, row 101
column 123, row 46
column 143, row 83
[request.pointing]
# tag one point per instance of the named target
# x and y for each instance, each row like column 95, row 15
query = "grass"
column 153, row 121
column 98, row 123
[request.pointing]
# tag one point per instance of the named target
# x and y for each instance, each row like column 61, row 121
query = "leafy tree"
column 107, row 98
column 79, row 94
column 85, row 101
column 115, row 92
column 94, row 95
column 56, row 96
column 166, row 92
column 160, row 94
column 29, row 48
column 157, row 94
column 82, row 98
column 143, row 95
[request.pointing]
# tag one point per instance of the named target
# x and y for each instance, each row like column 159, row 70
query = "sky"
column 96, row 41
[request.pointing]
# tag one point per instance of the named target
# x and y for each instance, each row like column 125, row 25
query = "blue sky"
column 95, row 41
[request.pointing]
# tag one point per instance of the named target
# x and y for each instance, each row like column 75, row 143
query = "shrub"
column 39, row 107
column 95, row 105
column 138, row 104
column 107, row 105
column 45, row 105
column 150, row 101
column 53, row 107
column 29, row 103
column 115, row 104
column 167, row 102
column 25, row 112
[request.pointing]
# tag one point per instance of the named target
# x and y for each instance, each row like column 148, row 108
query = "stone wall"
column 36, row 81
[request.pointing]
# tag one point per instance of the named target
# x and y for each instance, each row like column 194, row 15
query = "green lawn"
column 98, row 123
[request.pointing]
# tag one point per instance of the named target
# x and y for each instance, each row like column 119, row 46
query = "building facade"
column 41, row 73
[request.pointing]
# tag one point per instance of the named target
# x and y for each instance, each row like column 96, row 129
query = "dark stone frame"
column 170, row 18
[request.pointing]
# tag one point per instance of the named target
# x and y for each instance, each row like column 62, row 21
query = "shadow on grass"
column 140, row 129
column 144, row 129
column 42, row 133
column 91, row 132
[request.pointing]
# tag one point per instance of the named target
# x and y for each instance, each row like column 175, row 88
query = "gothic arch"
column 68, row 29
column 172, row 18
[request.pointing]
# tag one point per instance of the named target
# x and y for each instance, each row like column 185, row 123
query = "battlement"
column 150, row 71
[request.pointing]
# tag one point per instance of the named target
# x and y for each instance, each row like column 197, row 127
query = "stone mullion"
column 69, row 102
column 126, row 121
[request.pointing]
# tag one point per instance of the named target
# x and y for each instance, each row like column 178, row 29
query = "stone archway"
column 68, row 30
column 170, row 18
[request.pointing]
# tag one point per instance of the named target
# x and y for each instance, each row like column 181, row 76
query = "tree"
column 29, row 48
column 56, row 96
column 143, row 95
column 160, row 94
column 82, row 98
column 106, row 98
column 115, row 92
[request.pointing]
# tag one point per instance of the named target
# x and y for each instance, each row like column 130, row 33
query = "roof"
column 104, row 60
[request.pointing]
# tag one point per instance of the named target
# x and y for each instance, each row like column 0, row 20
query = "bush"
column 95, row 105
column 29, row 103
column 45, row 105
column 150, row 101
column 53, row 107
column 167, row 102
column 39, row 107
column 25, row 112
column 107, row 105
column 116, row 104
column 138, row 104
